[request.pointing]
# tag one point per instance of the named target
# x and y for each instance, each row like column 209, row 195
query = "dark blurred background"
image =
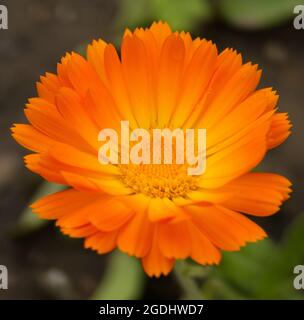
column 42, row 263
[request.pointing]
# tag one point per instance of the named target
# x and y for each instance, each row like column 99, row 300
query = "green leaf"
column 185, row 276
column 292, row 248
column 257, row 14
column 239, row 268
column 28, row 221
column 133, row 13
column 180, row 14
column 217, row 288
column 262, row 270
column 124, row 279
column 293, row 243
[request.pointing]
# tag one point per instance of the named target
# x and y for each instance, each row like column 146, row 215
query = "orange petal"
column 161, row 31
column 218, row 195
column 101, row 108
column 62, row 203
column 117, row 86
column 234, row 91
column 45, row 117
column 228, row 63
column 163, row 208
column 72, row 110
column 235, row 160
column 48, row 87
column 33, row 163
column 242, row 116
column 31, row 138
column 154, row 263
column 174, row 240
column 135, row 66
column 105, row 185
column 279, row 130
column 255, row 131
column 76, row 158
column 202, row 250
column 136, row 236
column 169, row 78
column 95, row 56
column 63, row 72
column 80, row 216
column 226, row 229
column 81, row 74
column 80, row 232
column 112, row 215
column 195, row 80
column 259, row 194
column 102, row 242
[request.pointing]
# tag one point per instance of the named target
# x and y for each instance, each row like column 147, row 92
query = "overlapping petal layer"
column 162, row 80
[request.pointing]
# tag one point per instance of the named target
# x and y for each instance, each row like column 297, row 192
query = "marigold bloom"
column 156, row 212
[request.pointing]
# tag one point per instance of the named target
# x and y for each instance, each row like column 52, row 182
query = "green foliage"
column 124, row 279
column 28, row 221
column 188, row 14
column 293, row 244
column 185, row 273
column 263, row 270
column 180, row 14
column 256, row 14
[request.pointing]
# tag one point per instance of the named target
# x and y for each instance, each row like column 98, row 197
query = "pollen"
column 158, row 180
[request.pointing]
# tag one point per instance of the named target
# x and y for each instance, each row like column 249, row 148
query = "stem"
column 190, row 288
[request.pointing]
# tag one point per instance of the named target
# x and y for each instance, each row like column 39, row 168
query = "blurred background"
column 43, row 263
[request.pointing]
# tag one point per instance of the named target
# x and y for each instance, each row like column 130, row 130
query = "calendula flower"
column 156, row 212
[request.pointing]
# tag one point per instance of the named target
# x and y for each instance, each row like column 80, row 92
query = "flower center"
column 158, row 180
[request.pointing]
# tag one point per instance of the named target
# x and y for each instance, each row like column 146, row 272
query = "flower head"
column 156, row 212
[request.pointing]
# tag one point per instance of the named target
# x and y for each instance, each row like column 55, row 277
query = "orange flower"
column 155, row 211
